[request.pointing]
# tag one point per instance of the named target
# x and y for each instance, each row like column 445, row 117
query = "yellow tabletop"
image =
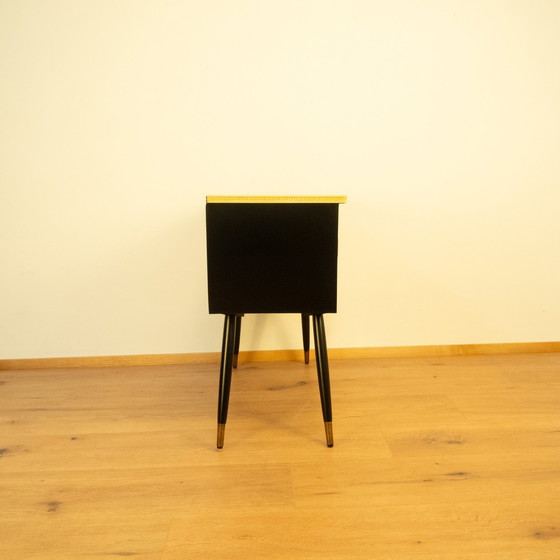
column 277, row 199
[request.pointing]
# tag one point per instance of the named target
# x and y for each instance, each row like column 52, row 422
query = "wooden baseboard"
column 407, row 351
column 283, row 355
column 111, row 361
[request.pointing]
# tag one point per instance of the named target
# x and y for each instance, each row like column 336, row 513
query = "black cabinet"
column 272, row 255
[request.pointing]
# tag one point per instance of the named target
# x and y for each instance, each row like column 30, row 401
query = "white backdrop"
column 440, row 119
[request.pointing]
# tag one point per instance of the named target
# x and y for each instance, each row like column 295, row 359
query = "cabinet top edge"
column 276, row 199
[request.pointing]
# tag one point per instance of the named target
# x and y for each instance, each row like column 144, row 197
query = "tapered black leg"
column 237, row 340
column 305, row 329
column 322, row 360
column 228, row 344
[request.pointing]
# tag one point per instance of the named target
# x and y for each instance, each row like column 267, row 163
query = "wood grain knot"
column 547, row 533
column 282, row 387
column 53, row 506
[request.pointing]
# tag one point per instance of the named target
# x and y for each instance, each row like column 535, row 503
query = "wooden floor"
column 452, row 458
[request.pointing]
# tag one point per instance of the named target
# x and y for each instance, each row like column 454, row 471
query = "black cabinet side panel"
column 272, row 258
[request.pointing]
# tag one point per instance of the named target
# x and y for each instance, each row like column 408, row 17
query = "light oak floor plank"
column 434, row 458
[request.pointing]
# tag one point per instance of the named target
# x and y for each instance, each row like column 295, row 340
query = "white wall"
column 440, row 119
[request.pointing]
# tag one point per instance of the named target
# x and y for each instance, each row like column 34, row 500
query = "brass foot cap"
column 221, row 434
column 329, row 434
